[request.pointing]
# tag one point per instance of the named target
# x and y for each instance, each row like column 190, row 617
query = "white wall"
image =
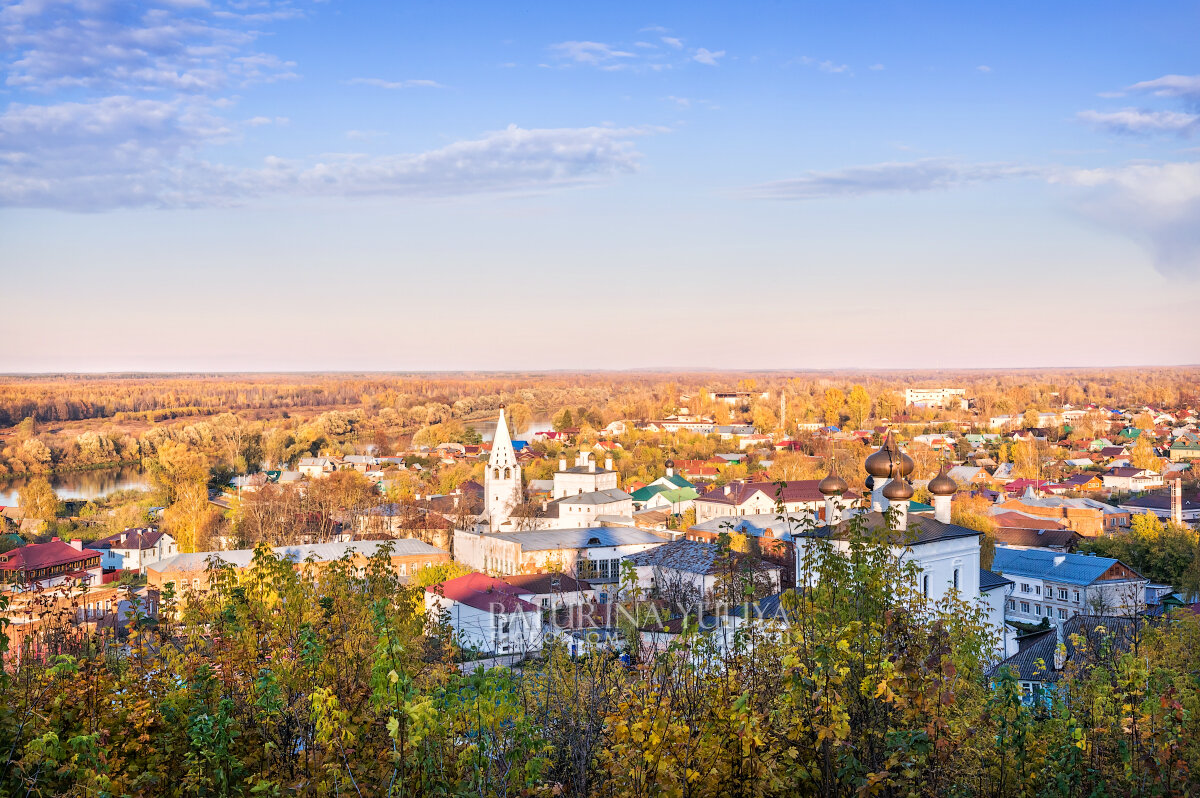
column 485, row 631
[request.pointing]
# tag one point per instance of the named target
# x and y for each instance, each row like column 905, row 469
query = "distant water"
column 487, row 429
column 82, row 484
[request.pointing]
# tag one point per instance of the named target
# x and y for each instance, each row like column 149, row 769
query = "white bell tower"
column 502, row 481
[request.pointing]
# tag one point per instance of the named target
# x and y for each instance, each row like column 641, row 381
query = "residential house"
column 1088, row 517
column 553, row 591
column 38, row 566
column 134, row 549
column 1132, row 480
column 316, row 467
column 1059, row 585
column 758, row 498
column 1185, row 447
column 686, row 571
column 487, row 615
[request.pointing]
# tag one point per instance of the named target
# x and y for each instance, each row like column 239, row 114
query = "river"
column 487, row 428
column 81, row 484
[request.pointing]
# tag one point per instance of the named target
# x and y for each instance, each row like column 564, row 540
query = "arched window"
column 496, row 473
column 508, row 473
column 956, row 579
column 925, row 586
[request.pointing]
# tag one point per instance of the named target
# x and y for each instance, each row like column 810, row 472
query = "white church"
column 584, row 494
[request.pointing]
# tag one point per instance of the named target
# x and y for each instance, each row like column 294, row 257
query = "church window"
column 508, row 473
column 496, row 473
column 956, row 579
column 925, row 586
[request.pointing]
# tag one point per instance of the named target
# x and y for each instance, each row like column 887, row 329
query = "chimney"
column 77, row 544
column 1177, row 502
column 941, row 508
column 726, row 490
column 608, row 464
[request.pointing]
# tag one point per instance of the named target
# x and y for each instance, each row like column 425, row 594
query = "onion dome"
column 888, row 461
column 669, row 464
column 898, row 490
column 942, row 484
column 832, row 485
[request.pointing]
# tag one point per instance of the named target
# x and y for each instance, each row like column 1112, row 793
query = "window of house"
column 956, row 579
column 1039, row 589
column 1062, row 615
column 1025, row 606
column 1012, row 605
column 925, row 586
column 1062, row 594
column 1076, row 597
column 402, row 569
column 1037, row 609
column 1024, row 587
column 546, row 603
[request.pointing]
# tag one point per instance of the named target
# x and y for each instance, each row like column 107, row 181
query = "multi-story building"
column 1058, row 586
column 954, row 398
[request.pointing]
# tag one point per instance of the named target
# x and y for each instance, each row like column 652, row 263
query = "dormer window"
column 593, row 541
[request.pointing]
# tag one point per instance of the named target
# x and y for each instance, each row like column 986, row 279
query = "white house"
column 1132, row 479
column 134, row 549
column 486, row 614
column 553, row 591
column 758, row 498
column 316, row 467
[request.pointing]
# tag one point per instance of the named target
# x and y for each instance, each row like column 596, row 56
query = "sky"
column 287, row 185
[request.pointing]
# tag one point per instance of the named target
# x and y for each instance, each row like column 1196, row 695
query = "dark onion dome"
column 879, row 462
column 888, row 461
column 942, row 484
column 670, row 464
column 870, row 482
column 832, row 485
column 898, row 490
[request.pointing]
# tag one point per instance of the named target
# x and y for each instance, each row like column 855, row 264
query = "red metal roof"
column 43, row 555
column 485, row 593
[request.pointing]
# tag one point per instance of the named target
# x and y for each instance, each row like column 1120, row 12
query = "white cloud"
column 1137, row 121
column 1186, row 86
column 50, row 45
column 1155, row 204
column 706, row 56
column 590, row 53
column 827, row 66
column 396, row 84
column 983, row 68
column 671, row 41
column 876, row 67
column 886, row 178
column 125, row 152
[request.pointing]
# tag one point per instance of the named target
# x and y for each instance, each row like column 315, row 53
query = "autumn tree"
column 38, row 500
column 858, row 404
column 832, row 405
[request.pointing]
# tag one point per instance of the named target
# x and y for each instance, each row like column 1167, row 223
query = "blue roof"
column 519, row 445
column 1078, row 569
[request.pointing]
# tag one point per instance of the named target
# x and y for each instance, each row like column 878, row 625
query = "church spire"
column 502, row 449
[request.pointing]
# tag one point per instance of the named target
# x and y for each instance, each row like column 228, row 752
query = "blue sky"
column 198, row 184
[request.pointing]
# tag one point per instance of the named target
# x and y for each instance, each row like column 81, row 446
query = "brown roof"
column 139, row 539
column 1013, row 520
column 1038, row 538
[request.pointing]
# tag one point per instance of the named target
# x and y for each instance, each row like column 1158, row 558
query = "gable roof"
column 485, row 593
column 692, row 557
column 1038, row 538
column 582, row 538
column 132, row 539
column 1079, row 569
column 547, row 583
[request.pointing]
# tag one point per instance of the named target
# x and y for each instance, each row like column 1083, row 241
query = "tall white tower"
column 502, row 481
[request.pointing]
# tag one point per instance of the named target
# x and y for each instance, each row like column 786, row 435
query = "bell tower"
column 502, row 481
